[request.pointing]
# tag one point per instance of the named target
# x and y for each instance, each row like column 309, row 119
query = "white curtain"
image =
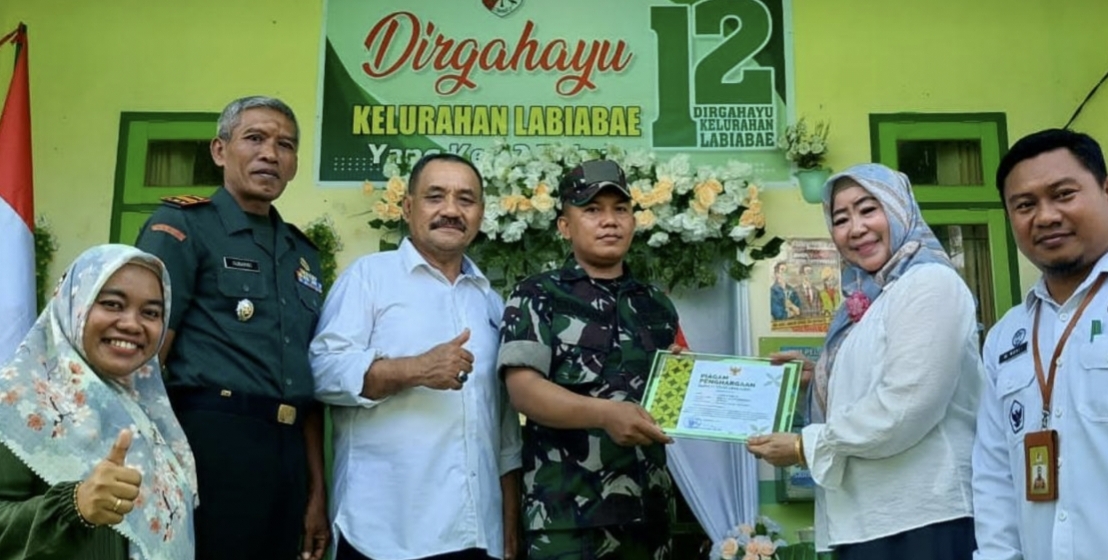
column 718, row 480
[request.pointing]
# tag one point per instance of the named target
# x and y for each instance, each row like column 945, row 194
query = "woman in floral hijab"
column 93, row 464
column 895, row 392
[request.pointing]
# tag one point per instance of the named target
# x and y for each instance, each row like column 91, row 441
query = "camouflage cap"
column 583, row 182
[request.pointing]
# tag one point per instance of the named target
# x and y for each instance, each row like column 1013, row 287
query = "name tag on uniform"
column 1015, row 351
column 241, row 264
column 1041, row 465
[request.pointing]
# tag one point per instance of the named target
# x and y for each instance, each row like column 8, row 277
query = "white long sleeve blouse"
column 894, row 452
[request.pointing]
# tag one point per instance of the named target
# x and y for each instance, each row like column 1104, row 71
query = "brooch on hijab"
column 856, row 305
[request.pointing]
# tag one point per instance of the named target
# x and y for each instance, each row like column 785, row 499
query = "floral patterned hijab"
column 61, row 418
column 911, row 241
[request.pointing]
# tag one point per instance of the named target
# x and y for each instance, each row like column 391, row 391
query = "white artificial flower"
column 739, row 233
column 683, row 184
column 679, row 165
column 490, row 227
column 515, row 174
column 390, row 169
column 514, row 231
column 658, row 239
column 493, row 210
column 637, row 158
column 726, row 203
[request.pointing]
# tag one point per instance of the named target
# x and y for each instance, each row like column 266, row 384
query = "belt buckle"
column 286, row 414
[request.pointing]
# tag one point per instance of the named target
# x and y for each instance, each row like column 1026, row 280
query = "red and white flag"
column 17, row 217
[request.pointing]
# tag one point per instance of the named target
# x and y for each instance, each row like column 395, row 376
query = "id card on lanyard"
column 1040, row 449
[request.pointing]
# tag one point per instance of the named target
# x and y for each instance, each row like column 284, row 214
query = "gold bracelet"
column 84, row 522
column 798, row 444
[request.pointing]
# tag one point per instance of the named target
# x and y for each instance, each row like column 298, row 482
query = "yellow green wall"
column 1033, row 60
column 92, row 60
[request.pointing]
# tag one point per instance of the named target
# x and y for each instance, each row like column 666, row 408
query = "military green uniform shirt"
column 246, row 299
column 595, row 338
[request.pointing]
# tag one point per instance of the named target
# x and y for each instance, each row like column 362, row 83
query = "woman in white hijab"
column 93, row 464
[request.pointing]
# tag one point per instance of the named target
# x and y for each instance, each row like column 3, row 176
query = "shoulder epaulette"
column 185, row 200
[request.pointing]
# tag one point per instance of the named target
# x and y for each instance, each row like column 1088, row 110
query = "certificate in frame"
column 721, row 398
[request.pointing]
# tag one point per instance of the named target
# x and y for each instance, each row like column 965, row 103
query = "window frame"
column 131, row 199
column 968, row 204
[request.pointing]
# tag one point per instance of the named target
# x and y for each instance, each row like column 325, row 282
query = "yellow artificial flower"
column 752, row 191
column 395, row 190
column 542, row 202
column 368, row 188
column 663, row 192
column 395, row 212
column 387, row 212
column 645, row 219
column 704, row 195
column 753, row 218
column 729, row 549
column 513, row 203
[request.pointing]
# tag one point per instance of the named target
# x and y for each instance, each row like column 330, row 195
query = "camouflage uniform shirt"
column 595, row 338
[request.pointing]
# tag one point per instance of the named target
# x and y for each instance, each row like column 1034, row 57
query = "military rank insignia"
column 308, row 279
column 185, row 200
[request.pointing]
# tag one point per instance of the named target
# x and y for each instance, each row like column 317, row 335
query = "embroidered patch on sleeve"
column 178, row 234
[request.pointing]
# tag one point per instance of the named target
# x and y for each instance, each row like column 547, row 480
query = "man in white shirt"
column 1055, row 191
column 427, row 448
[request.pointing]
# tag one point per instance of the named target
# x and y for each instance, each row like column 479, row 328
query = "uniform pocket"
column 242, row 284
column 1018, row 390
column 1091, row 383
column 245, row 294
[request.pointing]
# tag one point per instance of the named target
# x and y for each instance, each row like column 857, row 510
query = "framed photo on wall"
column 806, row 287
column 794, row 484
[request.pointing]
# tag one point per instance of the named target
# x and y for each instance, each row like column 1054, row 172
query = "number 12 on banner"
column 731, row 103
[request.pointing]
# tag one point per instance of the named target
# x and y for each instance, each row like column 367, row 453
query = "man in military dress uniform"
column 246, row 301
column 577, row 344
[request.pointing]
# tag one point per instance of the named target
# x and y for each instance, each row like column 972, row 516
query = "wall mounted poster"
column 711, row 78
column 805, row 292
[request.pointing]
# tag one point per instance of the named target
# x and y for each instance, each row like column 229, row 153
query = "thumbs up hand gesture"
column 111, row 488
column 446, row 365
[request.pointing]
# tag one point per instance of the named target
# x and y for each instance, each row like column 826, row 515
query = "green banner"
column 711, row 78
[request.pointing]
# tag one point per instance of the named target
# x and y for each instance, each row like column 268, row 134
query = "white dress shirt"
column 1074, row 527
column 418, row 473
column 894, row 453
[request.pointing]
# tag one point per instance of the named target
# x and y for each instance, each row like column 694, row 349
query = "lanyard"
column 1046, row 382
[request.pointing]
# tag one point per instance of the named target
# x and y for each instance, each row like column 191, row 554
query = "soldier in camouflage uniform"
column 576, row 349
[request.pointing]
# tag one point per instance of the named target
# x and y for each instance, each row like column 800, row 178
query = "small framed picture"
column 794, row 484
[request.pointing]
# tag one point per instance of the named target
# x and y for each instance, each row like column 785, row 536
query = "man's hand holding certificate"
column 722, row 398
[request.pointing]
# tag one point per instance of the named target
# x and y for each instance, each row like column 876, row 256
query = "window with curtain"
column 941, row 162
column 180, row 163
column 968, row 246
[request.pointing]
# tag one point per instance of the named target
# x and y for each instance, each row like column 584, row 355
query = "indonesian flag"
column 17, row 242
